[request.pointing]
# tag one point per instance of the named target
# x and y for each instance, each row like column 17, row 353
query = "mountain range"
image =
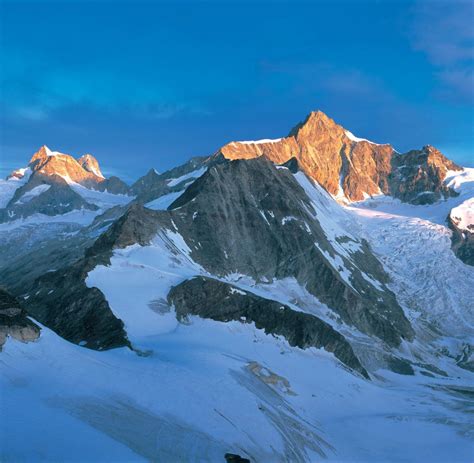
column 266, row 302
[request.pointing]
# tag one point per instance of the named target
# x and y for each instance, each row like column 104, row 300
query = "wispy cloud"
column 32, row 91
column 444, row 32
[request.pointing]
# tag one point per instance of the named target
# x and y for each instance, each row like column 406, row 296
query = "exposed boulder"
column 220, row 301
column 14, row 322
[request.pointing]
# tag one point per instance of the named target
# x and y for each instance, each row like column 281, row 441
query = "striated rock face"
column 252, row 218
column 349, row 167
column 210, row 298
column 14, row 322
column 245, row 216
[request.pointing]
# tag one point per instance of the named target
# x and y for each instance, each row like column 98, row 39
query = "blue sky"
column 150, row 84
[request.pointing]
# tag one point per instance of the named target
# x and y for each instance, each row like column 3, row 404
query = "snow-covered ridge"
column 256, row 142
column 352, row 137
column 36, row 191
column 8, row 187
column 190, row 175
column 460, row 180
column 51, row 153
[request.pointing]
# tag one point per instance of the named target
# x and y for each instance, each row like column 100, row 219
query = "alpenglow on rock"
column 350, row 167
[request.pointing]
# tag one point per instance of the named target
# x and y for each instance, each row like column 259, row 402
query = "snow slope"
column 8, row 187
column 208, row 388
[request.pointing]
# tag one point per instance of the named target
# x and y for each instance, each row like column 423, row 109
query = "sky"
column 150, row 84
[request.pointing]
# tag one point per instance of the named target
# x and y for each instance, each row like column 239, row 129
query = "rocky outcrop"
column 216, row 300
column 62, row 301
column 149, row 181
column 14, row 322
column 90, row 163
column 234, row 458
column 115, row 186
column 418, row 176
column 461, row 222
column 153, row 185
column 349, row 167
column 137, row 225
column 251, row 218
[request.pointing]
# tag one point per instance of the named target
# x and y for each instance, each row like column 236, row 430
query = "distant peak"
column 90, row 164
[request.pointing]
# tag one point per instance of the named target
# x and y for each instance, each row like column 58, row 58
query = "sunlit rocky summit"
column 263, row 303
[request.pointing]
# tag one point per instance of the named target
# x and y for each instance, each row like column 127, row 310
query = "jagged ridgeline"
column 249, row 217
column 245, row 210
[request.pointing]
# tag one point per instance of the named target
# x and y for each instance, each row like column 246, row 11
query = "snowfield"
column 208, row 388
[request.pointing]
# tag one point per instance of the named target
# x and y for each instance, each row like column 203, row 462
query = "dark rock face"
column 137, row 225
column 153, row 185
column 462, row 242
column 335, row 159
column 62, row 301
column 418, row 176
column 223, row 302
column 235, row 219
column 145, row 183
column 14, row 322
column 57, row 199
column 115, row 186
